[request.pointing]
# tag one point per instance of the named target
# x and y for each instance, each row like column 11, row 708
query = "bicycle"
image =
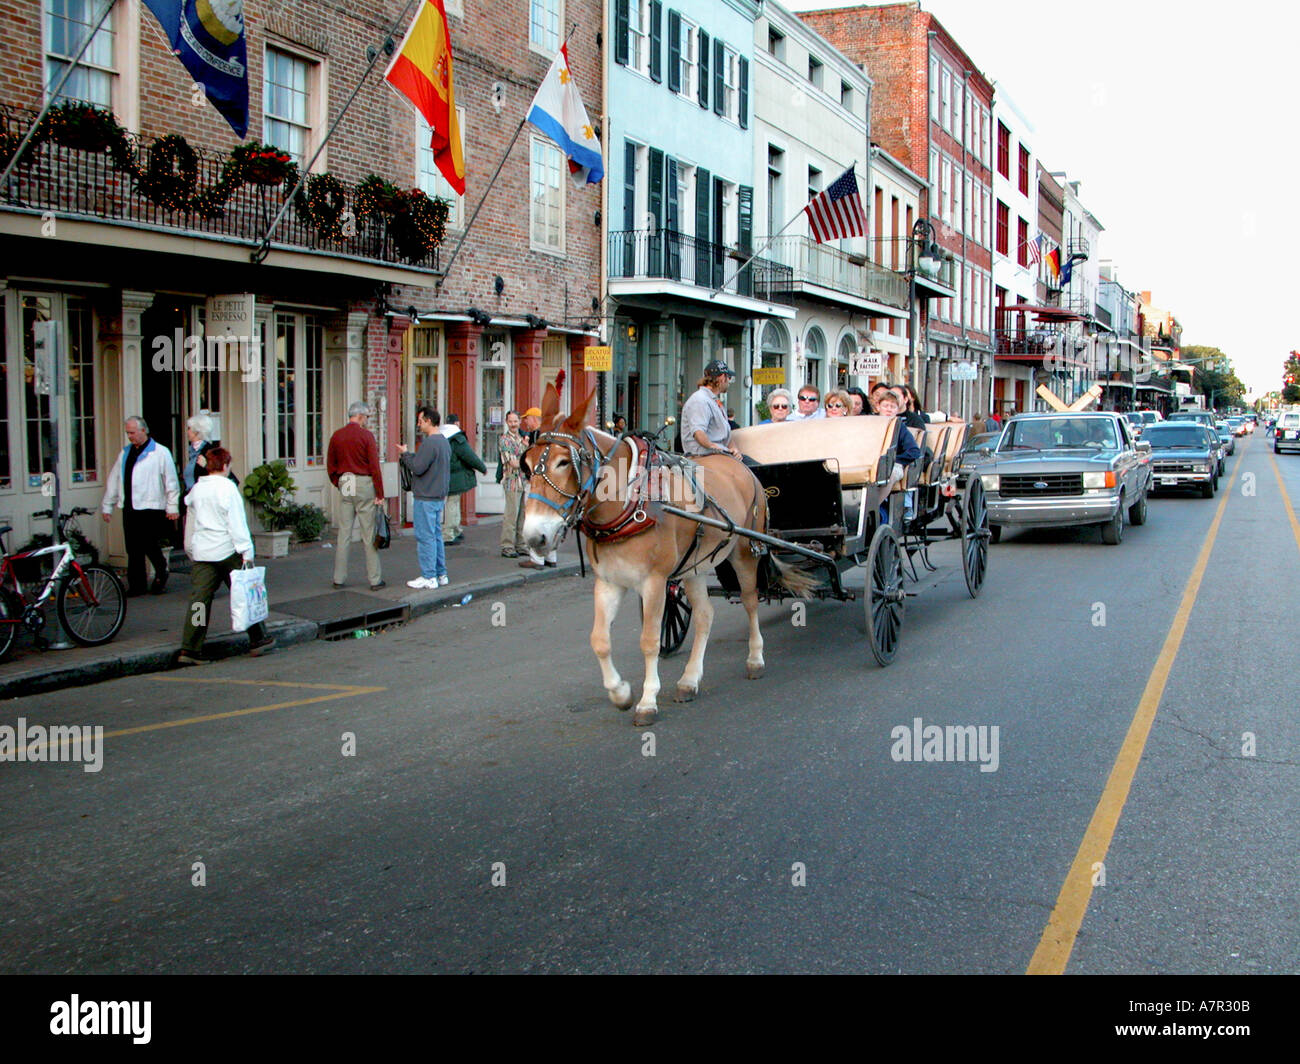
column 90, row 600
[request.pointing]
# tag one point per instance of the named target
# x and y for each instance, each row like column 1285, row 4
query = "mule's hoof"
column 754, row 672
column 621, row 696
column 685, row 694
column 643, row 718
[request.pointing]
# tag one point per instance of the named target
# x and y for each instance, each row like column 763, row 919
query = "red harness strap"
column 634, row 519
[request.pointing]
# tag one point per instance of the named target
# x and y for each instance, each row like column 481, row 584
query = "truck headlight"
column 990, row 481
column 1099, row 480
column 1201, row 467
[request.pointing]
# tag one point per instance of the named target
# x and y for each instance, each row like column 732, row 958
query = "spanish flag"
column 421, row 71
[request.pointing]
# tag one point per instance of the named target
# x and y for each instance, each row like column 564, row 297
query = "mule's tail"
column 798, row 581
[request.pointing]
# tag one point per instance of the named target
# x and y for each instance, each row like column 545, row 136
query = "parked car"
column 1068, row 468
column 977, row 449
column 1286, row 433
column 1136, row 421
column 1203, row 417
column 1228, row 441
column 1184, row 455
column 1238, row 426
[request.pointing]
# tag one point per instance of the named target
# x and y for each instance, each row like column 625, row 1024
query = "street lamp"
column 927, row 258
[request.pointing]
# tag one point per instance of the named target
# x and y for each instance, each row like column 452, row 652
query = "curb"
column 287, row 634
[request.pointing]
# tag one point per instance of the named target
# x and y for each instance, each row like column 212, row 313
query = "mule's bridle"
column 584, row 452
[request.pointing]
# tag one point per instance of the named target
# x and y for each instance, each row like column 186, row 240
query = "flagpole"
column 263, row 248
column 54, row 93
column 770, row 241
column 495, row 174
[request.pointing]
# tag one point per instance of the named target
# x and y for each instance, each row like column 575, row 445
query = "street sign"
column 769, row 375
column 867, row 363
column 598, row 359
column 965, row 371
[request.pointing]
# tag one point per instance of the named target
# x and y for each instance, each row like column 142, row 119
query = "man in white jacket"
column 144, row 483
column 218, row 541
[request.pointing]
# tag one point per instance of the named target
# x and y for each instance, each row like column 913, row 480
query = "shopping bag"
column 248, row 604
column 383, row 531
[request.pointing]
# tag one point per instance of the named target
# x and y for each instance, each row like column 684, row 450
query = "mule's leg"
column 746, row 566
column 607, row 597
column 697, row 593
column 653, row 591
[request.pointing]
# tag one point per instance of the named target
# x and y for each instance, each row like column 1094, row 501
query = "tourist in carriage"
column 910, row 407
column 837, row 403
column 779, row 405
column 810, row 405
column 858, row 401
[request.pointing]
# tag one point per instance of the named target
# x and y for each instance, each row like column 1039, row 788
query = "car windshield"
column 1041, row 434
column 983, row 441
column 1175, row 436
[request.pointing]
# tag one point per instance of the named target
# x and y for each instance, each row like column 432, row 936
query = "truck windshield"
column 1184, row 435
column 1059, row 432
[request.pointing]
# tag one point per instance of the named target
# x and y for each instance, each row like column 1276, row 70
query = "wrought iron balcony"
column 1077, row 248
column 669, row 255
column 829, row 267
column 82, row 184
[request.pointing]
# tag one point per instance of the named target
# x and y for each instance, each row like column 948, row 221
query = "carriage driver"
column 704, row 419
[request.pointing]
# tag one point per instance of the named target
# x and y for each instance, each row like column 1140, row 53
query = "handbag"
column 383, row 531
column 406, row 476
column 248, row 602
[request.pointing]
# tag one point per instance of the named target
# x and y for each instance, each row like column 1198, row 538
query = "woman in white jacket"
column 218, row 541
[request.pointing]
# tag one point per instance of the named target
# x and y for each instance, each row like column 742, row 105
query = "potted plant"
column 83, row 126
column 264, row 164
column 270, row 488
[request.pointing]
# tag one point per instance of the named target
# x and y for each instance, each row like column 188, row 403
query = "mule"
column 609, row 489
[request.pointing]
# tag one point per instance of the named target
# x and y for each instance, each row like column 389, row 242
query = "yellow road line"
column 336, row 690
column 1057, row 941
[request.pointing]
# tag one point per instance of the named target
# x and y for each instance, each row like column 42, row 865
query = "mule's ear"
column 578, row 419
column 550, row 406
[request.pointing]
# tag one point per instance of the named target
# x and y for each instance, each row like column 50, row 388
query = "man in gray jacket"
column 430, row 468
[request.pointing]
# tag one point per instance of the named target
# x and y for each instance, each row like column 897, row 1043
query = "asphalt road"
column 459, row 796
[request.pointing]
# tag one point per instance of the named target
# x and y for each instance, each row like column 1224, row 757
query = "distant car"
column 1286, row 433
column 1228, row 441
column 1137, row 421
column 1238, row 425
column 1068, row 468
column 1183, row 456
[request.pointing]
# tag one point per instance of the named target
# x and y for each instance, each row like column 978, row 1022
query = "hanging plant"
column 172, row 174
column 377, row 196
column 263, row 164
column 419, row 225
column 83, row 126
column 323, row 204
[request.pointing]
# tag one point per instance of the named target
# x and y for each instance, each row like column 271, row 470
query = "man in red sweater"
column 353, row 465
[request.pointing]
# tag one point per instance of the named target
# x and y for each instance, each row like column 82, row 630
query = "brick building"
column 344, row 305
column 932, row 109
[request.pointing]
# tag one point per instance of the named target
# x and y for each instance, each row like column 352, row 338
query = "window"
column 815, row 71
column 945, row 99
column 295, row 433
column 6, row 474
column 1022, row 248
column 638, row 34
column 286, row 102
column 80, row 386
column 430, row 177
column 814, row 354
column 776, row 43
column 934, row 90
column 686, row 48
column 1004, row 151
column 1024, row 170
column 846, row 96
column 547, row 199
column 814, row 183
column 544, row 25
column 67, row 23
column 1004, row 227
column 730, row 82
column 775, row 198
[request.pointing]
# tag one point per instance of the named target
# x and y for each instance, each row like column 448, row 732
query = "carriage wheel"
column 975, row 536
column 885, row 596
column 676, row 620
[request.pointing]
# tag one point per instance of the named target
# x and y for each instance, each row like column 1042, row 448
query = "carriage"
column 832, row 508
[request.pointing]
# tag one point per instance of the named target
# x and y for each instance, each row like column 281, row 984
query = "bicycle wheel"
column 92, row 607
column 10, row 618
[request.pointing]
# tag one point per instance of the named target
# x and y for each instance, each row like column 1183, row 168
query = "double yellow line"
column 1057, row 941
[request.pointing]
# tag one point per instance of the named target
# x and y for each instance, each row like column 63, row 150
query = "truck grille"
column 1026, row 487
column 1172, row 467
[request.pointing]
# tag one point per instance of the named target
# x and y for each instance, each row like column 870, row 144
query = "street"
column 391, row 805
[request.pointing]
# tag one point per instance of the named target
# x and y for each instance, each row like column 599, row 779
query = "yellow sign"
column 769, row 375
column 598, row 359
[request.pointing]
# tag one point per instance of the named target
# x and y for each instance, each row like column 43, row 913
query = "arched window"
column 844, row 359
column 814, row 349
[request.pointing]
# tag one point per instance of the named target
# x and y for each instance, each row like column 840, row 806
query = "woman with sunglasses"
column 779, row 404
column 837, row 403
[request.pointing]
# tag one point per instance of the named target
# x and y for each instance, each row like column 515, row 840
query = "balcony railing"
column 674, row 256
column 1078, row 246
column 85, row 184
column 830, row 267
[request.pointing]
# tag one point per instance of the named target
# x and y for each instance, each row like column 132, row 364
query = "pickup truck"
column 1068, row 468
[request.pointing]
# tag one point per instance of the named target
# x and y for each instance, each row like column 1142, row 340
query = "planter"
column 266, row 174
column 271, row 544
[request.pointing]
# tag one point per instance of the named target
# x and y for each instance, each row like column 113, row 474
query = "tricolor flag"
column 837, row 212
column 208, row 37
column 1054, row 262
column 421, row 71
column 1035, row 249
column 558, row 112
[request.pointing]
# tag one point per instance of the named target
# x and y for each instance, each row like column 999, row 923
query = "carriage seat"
column 858, row 444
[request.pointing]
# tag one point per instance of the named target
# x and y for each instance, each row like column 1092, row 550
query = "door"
column 294, row 430
column 493, row 404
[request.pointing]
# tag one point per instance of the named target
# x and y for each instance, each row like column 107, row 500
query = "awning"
column 1043, row 313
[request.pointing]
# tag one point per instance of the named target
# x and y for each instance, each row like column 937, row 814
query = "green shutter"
column 744, row 93
column 656, row 40
column 621, row 27
column 719, row 76
column 703, row 234
column 703, row 51
column 674, row 51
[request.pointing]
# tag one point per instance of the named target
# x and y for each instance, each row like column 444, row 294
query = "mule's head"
column 556, row 479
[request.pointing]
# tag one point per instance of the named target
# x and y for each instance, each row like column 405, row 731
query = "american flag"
column 837, row 212
column 1035, row 248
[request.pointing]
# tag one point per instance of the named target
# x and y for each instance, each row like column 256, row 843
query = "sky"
column 1177, row 120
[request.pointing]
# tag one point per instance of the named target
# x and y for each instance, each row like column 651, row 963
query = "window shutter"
column 703, row 270
column 629, row 237
column 674, row 51
column 719, row 233
column 621, row 28
column 744, row 93
column 703, row 51
column 719, row 76
column 745, row 235
column 656, row 206
column 672, row 223
column 656, row 40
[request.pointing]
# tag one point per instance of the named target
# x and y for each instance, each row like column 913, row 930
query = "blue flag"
column 208, row 37
column 1066, row 272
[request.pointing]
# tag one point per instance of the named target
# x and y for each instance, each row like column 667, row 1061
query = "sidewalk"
column 301, row 583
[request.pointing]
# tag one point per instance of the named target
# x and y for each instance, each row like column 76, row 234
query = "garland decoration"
column 322, row 204
column 375, row 196
column 172, row 173
column 419, row 226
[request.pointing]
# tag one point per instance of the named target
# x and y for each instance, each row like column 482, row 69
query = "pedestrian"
column 530, row 428
column 620, row 424
column 732, row 423
column 144, row 483
column 198, row 433
column 352, row 463
column 514, row 484
column 463, row 464
column 218, row 542
column 991, row 423
column 978, row 426
column 430, row 468
column 779, row 402
column 810, row 408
